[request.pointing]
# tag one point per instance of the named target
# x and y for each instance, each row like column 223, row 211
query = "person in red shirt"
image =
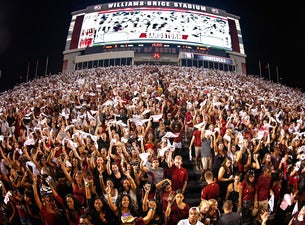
column 177, row 209
column 211, row 190
column 188, row 124
column 177, row 128
column 179, row 174
column 196, row 141
column 247, row 197
column 263, row 188
column 294, row 176
column 46, row 205
column 165, row 191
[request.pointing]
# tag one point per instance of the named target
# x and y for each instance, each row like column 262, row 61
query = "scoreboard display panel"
column 148, row 23
column 147, row 31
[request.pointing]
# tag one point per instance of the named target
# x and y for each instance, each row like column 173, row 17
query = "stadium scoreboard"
column 163, row 27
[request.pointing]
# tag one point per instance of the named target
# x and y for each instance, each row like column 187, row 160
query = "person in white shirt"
column 192, row 219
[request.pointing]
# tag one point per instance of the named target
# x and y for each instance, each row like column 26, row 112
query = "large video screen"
column 146, row 25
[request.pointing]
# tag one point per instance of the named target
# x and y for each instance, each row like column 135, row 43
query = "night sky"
column 33, row 31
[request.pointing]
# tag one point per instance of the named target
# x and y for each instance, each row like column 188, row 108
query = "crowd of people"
column 108, row 146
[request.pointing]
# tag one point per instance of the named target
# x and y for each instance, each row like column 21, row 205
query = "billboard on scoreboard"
column 154, row 24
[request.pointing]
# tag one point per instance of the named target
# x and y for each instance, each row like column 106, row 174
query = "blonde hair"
column 212, row 201
column 178, row 157
column 204, row 203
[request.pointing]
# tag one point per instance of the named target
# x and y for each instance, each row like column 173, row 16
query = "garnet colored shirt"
column 248, row 191
column 179, row 176
column 263, row 187
column 210, row 191
column 197, row 139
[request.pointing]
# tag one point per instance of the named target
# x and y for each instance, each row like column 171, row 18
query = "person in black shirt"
column 229, row 217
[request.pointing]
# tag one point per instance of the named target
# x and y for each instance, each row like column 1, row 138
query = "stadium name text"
column 157, row 4
column 164, row 36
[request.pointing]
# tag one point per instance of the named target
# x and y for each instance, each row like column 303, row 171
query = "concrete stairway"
column 194, row 187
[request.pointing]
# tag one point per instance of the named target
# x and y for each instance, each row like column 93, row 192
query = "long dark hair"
column 77, row 208
column 131, row 207
column 250, row 173
column 121, row 188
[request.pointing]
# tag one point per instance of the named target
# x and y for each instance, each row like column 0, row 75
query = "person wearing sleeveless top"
column 234, row 193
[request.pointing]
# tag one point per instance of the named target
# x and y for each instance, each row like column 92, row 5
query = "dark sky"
column 32, row 31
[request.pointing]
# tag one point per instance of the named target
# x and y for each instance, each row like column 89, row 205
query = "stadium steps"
column 194, row 187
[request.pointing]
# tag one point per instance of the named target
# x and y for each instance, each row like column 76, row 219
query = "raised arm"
column 161, row 182
column 145, row 198
column 112, row 206
column 131, row 180
column 67, row 175
column 168, row 210
column 152, row 205
column 35, row 192
column 108, row 165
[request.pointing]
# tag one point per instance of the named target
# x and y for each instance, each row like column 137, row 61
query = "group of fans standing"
column 108, row 146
